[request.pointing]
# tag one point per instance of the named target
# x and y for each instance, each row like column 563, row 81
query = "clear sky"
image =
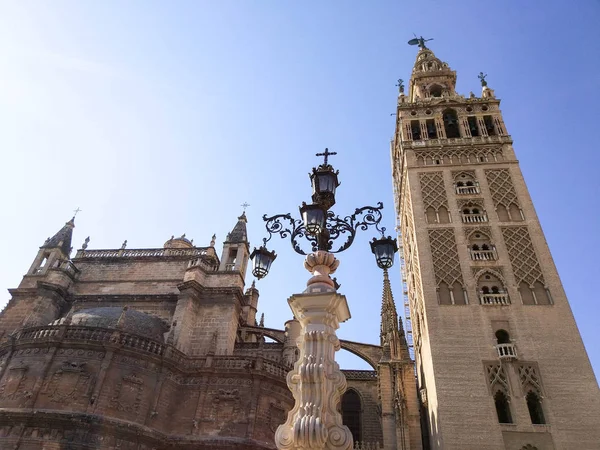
column 161, row 118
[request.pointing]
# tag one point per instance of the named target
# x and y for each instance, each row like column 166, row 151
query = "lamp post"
column 316, row 381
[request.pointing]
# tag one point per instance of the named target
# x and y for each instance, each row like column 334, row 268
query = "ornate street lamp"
column 316, row 381
column 262, row 260
column 384, row 250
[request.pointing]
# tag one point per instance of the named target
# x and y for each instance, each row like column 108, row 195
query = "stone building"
column 500, row 362
column 160, row 348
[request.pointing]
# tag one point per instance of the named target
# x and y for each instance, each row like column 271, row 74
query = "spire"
column 62, row 239
column 239, row 234
column 389, row 316
column 431, row 77
column 392, row 333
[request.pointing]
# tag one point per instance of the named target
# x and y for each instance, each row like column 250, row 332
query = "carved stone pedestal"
column 316, row 381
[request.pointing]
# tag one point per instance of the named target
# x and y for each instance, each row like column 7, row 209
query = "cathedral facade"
column 500, row 362
column 161, row 348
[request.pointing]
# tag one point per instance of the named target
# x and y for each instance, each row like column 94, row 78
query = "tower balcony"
column 466, row 190
column 506, row 351
column 483, row 255
column 474, row 218
column 494, row 299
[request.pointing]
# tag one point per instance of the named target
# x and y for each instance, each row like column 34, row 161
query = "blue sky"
column 161, row 118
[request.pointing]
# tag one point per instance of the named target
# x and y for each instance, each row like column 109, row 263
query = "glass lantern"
column 261, row 261
column 384, row 250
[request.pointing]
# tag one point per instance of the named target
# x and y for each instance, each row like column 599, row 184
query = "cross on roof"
column 326, row 154
column 76, row 211
column 245, row 205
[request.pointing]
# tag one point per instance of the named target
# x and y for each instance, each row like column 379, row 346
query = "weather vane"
column 245, row 205
column 420, row 41
column 400, row 85
column 326, row 154
column 481, row 77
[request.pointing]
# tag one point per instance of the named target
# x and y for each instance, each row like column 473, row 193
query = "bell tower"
column 500, row 362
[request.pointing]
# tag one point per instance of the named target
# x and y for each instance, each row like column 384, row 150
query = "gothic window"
column 515, row 213
column 473, row 128
column 502, row 407
column 352, row 413
column 451, row 295
column 431, row 129
column 472, row 213
column 436, row 90
column 480, row 247
column 489, row 125
column 502, row 337
column 491, row 290
column 451, row 124
column 465, row 183
column 415, row 130
column 536, row 411
column 534, row 295
column 502, row 213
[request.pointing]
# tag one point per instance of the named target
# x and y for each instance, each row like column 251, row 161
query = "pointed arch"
column 352, row 410
column 492, row 272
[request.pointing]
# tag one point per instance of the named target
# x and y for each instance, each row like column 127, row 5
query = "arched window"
column 475, row 247
column 451, row 124
column 502, row 337
column 535, row 408
column 435, row 90
column 502, row 407
column 352, row 413
column 443, row 215
column 491, row 290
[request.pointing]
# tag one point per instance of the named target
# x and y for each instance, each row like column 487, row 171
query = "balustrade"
column 506, row 351
column 142, row 344
column 461, row 190
column 137, row 253
column 230, row 267
column 483, row 255
column 494, row 299
column 474, row 218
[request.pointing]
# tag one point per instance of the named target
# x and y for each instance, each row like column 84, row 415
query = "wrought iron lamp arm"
column 294, row 230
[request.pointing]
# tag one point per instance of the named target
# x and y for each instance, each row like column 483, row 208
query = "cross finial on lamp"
column 326, row 154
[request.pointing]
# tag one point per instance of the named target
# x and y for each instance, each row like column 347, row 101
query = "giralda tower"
column 500, row 362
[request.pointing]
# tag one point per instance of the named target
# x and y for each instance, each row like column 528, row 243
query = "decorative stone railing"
column 474, row 218
column 462, row 190
column 230, row 267
column 142, row 253
column 201, row 262
column 360, row 374
column 494, row 299
column 64, row 334
column 460, row 141
column 506, row 351
column 483, row 255
column 92, row 334
column 367, row 445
